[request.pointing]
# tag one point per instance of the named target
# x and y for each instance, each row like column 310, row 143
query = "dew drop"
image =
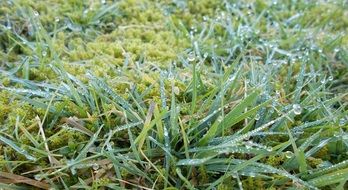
column 95, row 166
column 38, row 177
column 240, row 184
column 269, row 149
column 345, row 137
column 336, row 134
column 44, row 53
column 191, row 56
column 234, row 175
column 277, row 93
column 288, row 154
column 176, row 90
column 165, row 133
column 330, row 78
column 36, row 13
column 323, row 81
column 297, row 109
column 252, row 174
column 342, row 122
column 56, row 19
column 257, row 117
column 125, row 54
column 219, row 119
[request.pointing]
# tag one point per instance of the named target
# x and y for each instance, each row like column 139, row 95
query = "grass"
column 146, row 94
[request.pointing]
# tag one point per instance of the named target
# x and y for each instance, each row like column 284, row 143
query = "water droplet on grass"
column 56, row 19
column 288, row 154
column 38, row 177
column 176, row 90
column 257, row 117
column 342, row 122
column 95, row 166
column 234, row 175
column 297, row 109
column 323, row 81
column 8, row 26
column 124, row 54
column 330, row 78
column 36, row 13
column 191, row 56
column 252, row 174
column 165, row 133
column 336, row 134
column 44, row 53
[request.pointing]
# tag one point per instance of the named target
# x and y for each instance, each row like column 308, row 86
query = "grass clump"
column 147, row 94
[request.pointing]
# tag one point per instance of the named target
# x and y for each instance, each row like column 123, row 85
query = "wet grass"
column 147, row 94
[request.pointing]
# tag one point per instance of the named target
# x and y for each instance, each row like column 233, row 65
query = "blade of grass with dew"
column 299, row 153
column 174, row 128
column 141, row 137
column 19, row 150
column 84, row 151
column 188, row 184
column 331, row 178
column 234, row 116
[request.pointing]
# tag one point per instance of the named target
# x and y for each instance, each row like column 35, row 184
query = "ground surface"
column 177, row 94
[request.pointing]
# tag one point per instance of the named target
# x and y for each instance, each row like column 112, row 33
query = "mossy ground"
column 176, row 92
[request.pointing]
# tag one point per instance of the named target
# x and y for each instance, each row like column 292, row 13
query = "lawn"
column 173, row 94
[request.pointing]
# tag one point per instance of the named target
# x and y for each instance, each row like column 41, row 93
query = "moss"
column 275, row 160
column 203, row 177
column 314, row 162
column 6, row 81
column 227, row 184
column 97, row 184
column 131, row 45
column 323, row 153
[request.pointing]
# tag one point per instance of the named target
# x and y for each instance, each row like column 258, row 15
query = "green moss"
column 130, row 45
column 227, row 184
column 275, row 160
column 99, row 183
